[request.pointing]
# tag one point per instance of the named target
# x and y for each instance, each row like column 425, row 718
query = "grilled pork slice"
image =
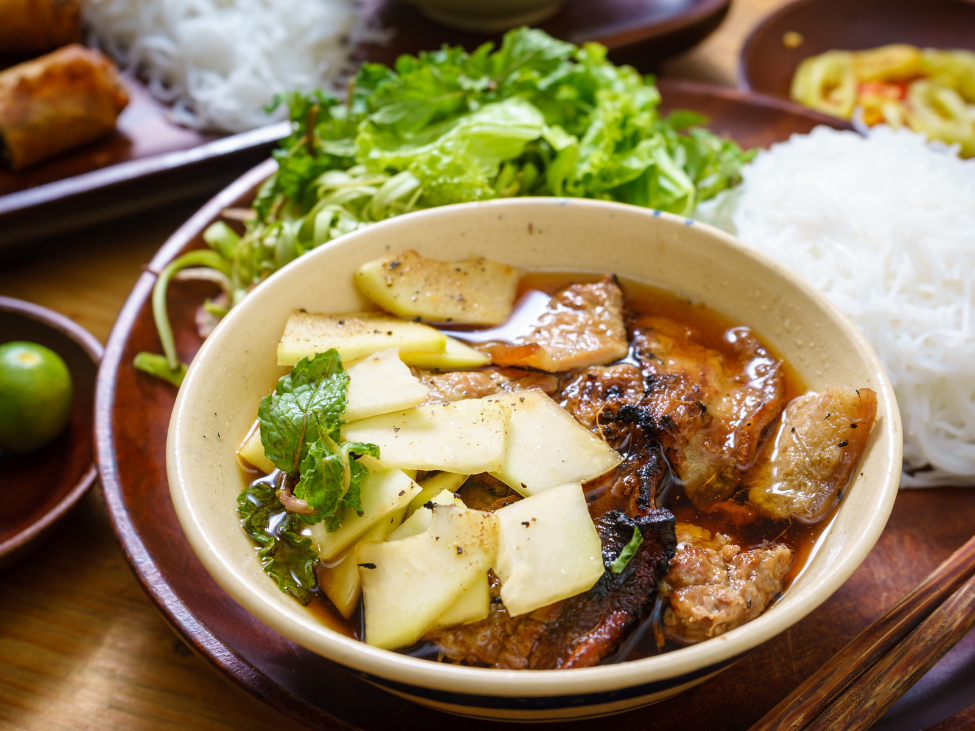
column 603, row 399
column 588, row 393
column 582, row 630
column 713, row 586
column 582, row 326
column 459, row 385
column 712, row 410
column 817, row 447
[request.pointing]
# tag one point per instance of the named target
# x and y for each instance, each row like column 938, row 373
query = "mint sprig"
column 306, row 404
column 300, row 423
column 330, row 479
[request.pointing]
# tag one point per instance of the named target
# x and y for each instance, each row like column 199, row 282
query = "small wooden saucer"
column 39, row 488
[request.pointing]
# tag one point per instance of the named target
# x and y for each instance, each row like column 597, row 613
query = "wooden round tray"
column 132, row 418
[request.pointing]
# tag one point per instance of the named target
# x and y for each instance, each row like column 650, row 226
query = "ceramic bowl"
column 236, row 366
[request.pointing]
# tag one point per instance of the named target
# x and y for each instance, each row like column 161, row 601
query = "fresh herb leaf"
column 628, row 552
column 328, row 474
column 286, row 555
column 306, row 405
column 300, row 423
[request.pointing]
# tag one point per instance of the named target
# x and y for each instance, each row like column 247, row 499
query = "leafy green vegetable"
column 157, row 365
column 628, row 552
column 173, row 371
column 305, row 405
column 286, row 555
column 300, row 422
column 330, row 478
column 536, row 117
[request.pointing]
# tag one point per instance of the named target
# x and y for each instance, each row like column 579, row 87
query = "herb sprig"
column 300, row 421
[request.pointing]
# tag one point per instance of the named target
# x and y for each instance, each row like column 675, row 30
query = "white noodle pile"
column 222, row 61
column 885, row 226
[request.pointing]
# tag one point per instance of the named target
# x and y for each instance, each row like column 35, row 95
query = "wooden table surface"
column 81, row 647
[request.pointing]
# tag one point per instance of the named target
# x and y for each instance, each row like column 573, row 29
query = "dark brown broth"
column 746, row 529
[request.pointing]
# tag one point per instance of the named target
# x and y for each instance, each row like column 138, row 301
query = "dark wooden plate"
column 38, row 489
column 150, row 160
column 767, row 65
column 638, row 32
column 132, row 420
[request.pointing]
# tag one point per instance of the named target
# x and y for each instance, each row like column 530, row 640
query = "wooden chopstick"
column 959, row 722
column 822, row 687
column 896, row 672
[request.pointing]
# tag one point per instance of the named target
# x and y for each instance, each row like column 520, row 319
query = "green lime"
column 35, row 396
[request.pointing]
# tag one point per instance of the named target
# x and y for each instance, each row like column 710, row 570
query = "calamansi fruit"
column 35, row 396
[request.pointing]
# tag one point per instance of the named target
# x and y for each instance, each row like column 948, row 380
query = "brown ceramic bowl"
column 767, row 64
column 39, row 488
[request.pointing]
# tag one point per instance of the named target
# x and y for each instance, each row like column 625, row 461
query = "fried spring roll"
column 57, row 102
column 38, row 25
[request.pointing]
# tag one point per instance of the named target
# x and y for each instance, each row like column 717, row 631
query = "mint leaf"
column 327, row 476
column 306, row 404
column 299, row 429
column 628, row 552
column 351, row 500
column 286, row 555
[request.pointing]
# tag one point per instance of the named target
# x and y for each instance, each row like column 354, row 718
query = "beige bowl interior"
column 236, row 367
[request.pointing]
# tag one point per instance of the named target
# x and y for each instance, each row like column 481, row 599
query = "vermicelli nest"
column 220, row 62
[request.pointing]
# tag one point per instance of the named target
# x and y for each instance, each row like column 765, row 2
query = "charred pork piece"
column 588, row 393
column 712, row 410
column 817, row 447
column 595, row 397
column 713, row 586
column 582, row 326
column 582, row 630
column 458, row 385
